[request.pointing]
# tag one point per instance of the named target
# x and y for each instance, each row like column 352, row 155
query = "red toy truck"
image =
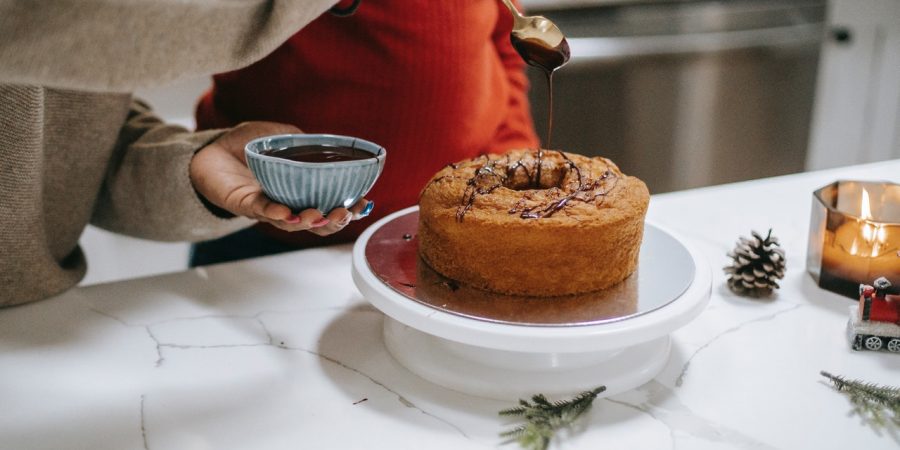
column 875, row 322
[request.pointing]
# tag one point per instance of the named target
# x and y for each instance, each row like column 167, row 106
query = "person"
column 432, row 82
column 75, row 147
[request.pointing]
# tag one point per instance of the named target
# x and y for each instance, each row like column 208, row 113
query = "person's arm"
column 148, row 191
column 116, row 45
column 167, row 183
column 517, row 130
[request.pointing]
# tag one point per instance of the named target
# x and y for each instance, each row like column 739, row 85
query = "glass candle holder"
column 854, row 235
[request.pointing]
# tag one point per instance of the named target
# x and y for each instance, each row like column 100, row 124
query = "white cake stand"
column 454, row 339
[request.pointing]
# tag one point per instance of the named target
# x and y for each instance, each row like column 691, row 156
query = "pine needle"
column 874, row 403
column 543, row 418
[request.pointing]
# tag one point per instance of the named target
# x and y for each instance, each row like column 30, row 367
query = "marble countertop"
column 283, row 352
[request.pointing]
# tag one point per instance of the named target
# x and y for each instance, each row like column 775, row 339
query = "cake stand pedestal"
column 506, row 347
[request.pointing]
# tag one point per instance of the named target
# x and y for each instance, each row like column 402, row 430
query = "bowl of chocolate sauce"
column 322, row 171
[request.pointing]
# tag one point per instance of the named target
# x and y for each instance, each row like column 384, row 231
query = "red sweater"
column 432, row 81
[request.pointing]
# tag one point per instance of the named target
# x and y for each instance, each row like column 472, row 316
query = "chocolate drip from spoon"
column 541, row 44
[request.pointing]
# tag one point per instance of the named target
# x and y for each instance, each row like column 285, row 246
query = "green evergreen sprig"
column 870, row 401
column 543, row 418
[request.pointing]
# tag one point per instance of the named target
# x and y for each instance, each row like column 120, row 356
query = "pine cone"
column 756, row 265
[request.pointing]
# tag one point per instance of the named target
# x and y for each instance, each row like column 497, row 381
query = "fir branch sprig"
column 870, row 401
column 543, row 417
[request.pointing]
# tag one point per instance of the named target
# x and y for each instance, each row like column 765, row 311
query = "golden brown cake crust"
column 489, row 223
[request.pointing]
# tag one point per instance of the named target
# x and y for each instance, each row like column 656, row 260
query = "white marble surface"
column 284, row 353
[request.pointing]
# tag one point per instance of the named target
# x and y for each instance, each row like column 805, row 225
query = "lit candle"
column 856, row 245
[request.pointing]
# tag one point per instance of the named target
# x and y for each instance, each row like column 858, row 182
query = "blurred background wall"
column 687, row 94
column 680, row 93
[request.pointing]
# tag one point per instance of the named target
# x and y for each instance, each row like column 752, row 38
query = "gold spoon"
column 538, row 40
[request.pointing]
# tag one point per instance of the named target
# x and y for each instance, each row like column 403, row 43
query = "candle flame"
column 873, row 235
column 866, row 209
column 869, row 234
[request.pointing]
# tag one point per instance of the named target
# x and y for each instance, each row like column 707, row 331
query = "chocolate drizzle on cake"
column 484, row 181
column 586, row 192
column 540, row 198
column 513, row 167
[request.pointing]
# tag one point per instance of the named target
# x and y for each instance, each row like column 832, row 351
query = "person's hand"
column 219, row 172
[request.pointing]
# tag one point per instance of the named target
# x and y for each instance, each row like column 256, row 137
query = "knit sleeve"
column 119, row 46
column 148, row 192
column 517, row 130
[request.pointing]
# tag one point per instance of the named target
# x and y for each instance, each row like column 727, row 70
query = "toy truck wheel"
column 893, row 345
column 872, row 343
column 857, row 342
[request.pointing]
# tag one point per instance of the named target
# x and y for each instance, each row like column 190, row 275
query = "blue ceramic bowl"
column 320, row 185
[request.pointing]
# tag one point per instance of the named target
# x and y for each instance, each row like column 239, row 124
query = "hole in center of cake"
column 522, row 176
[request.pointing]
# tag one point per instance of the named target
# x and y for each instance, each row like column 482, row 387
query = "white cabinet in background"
column 856, row 116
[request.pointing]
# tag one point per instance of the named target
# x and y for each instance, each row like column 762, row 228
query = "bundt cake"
column 529, row 222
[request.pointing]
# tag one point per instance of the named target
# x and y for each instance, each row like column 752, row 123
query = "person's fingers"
column 277, row 211
column 258, row 206
column 220, row 174
column 362, row 208
column 308, row 219
column 249, row 201
column 312, row 218
column 338, row 218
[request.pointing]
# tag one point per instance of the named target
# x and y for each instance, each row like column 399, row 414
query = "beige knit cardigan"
column 76, row 148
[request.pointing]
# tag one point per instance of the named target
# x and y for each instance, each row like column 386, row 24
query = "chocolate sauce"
column 573, row 186
column 319, row 153
column 494, row 174
column 484, row 181
column 537, row 53
column 586, row 192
